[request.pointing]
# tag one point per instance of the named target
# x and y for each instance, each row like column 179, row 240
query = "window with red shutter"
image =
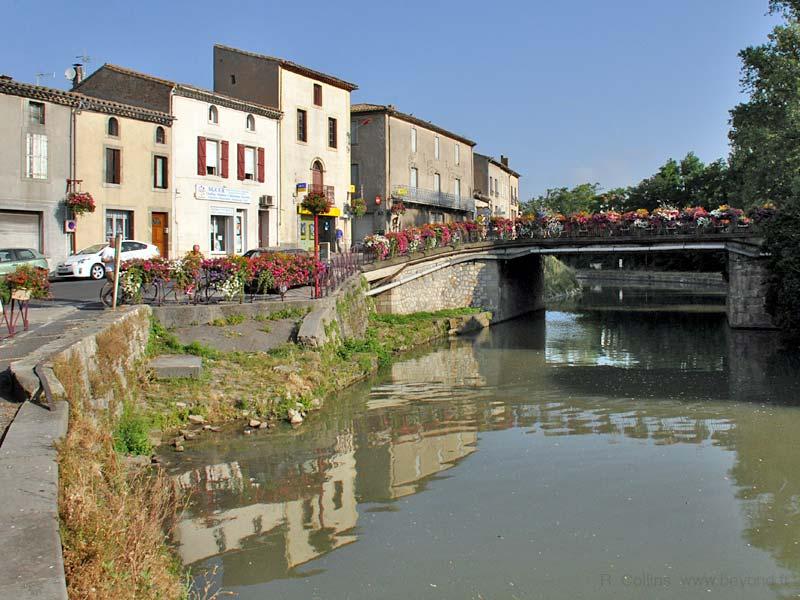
column 261, row 165
column 224, row 158
column 240, row 162
column 201, row 155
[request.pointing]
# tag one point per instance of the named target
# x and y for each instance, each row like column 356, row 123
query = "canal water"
column 627, row 446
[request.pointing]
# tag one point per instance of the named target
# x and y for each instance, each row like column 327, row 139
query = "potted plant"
column 80, row 202
column 27, row 282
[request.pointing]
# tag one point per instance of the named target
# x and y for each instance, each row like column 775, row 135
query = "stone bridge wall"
column 506, row 288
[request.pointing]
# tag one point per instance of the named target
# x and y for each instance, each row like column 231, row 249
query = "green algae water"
column 643, row 450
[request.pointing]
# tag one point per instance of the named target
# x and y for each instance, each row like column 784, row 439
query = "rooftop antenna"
column 40, row 76
column 84, row 58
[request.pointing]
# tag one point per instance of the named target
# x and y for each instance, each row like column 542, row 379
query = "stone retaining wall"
column 506, row 288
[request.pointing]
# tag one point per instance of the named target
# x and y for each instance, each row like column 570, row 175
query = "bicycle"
column 151, row 293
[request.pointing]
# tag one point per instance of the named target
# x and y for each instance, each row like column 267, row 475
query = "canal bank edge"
column 97, row 364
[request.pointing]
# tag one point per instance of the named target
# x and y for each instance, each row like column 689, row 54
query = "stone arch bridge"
column 505, row 276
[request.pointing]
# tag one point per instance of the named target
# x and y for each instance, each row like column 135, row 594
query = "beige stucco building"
column 400, row 158
column 496, row 187
column 123, row 161
column 314, row 145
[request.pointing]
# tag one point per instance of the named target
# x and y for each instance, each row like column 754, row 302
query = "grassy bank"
column 115, row 518
column 265, row 385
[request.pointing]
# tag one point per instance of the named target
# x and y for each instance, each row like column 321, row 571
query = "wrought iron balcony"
column 324, row 190
column 433, row 198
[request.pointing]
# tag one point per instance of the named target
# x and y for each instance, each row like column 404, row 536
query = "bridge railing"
column 429, row 237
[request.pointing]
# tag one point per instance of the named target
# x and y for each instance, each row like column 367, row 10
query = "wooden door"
column 316, row 178
column 159, row 232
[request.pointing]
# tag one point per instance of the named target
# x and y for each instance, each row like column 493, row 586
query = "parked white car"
column 88, row 262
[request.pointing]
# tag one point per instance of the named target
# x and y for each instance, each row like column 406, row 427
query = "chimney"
column 504, row 160
column 78, row 74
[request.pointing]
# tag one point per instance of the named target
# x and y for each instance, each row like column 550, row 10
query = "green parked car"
column 11, row 258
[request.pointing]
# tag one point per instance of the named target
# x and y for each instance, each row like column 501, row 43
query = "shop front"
column 327, row 228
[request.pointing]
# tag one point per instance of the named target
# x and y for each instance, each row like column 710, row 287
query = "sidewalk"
column 49, row 320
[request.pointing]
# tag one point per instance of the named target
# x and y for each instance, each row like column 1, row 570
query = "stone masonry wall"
column 506, row 288
column 747, row 290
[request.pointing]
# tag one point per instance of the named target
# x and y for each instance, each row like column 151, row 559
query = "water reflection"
column 613, row 409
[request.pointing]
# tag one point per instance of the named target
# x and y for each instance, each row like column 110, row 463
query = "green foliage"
column 679, row 184
column 369, row 345
column 765, row 155
column 285, row 313
column 162, row 341
column 420, row 317
column 131, row 433
column 316, row 203
column 235, row 319
column 198, row 349
column 5, row 291
column 559, row 279
column 783, row 298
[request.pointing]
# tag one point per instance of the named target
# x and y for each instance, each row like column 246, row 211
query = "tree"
column 765, row 130
column 564, row 200
column 765, row 154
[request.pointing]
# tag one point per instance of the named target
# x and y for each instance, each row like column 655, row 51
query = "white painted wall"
column 192, row 216
column 297, row 92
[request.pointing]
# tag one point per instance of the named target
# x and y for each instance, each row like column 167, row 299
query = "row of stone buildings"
column 227, row 169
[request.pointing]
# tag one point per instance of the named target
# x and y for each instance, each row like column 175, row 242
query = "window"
column 250, row 123
column 414, row 179
column 113, row 127
column 249, row 164
column 220, row 229
column 161, row 135
column 457, row 189
column 129, row 246
column 332, row 133
column 113, row 165
column 119, row 222
column 36, row 112
column 436, row 147
column 413, row 139
column 160, row 172
column 437, row 182
column 317, row 94
column 355, row 179
column 353, row 132
column 36, row 156
column 212, row 157
column 213, row 114
column 25, row 254
column 457, row 153
column 302, row 132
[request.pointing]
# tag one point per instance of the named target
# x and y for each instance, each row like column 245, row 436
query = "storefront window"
column 220, row 233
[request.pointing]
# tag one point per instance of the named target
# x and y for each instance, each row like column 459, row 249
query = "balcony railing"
column 325, row 190
column 433, row 198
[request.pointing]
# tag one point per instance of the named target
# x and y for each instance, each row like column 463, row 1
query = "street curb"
column 33, row 564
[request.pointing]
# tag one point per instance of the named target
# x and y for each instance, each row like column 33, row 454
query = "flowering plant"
column 358, row 207
column 398, row 208
column 378, row 244
column 763, row 213
column 316, row 203
column 80, row 202
column 32, row 279
column 228, row 273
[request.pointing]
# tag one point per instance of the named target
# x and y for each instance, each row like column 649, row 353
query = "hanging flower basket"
column 80, row 202
column 358, row 207
column 398, row 208
column 316, row 203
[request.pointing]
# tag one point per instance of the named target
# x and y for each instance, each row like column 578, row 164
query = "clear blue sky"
column 571, row 90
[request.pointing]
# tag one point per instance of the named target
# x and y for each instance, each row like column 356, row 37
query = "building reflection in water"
column 291, row 497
